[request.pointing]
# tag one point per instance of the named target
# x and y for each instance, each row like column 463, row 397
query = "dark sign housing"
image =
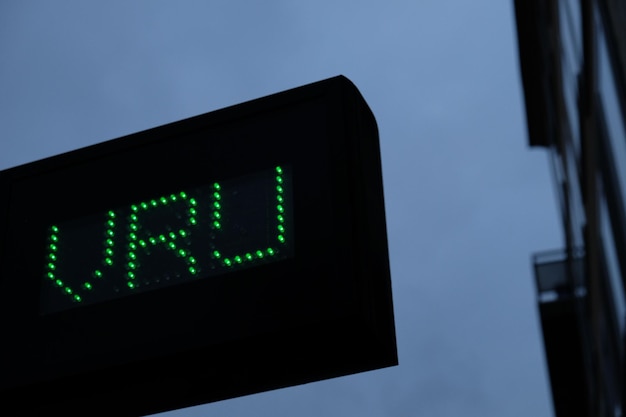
column 234, row 252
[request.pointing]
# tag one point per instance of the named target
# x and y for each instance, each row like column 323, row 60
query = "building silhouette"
column 572, row 56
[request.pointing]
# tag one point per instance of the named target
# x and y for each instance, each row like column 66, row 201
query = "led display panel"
column 169, row 239
column 230, row 253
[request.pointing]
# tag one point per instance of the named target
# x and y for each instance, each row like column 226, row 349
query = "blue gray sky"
column 467, row 200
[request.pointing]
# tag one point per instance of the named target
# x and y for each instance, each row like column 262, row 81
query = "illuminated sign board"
column 174, row 238
column 231, row 253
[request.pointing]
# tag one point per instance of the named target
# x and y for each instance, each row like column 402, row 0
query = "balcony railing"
column 558, row 275
column 561, row 296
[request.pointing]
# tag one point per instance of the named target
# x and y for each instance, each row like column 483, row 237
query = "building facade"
column 572, row 56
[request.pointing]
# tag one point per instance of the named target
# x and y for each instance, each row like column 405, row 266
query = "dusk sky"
column 467, row 201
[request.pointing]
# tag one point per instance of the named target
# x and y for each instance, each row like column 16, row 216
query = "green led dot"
column 248, row 256
column 108, row 251
column 216, row 254
column 193, row 221
column 54, row 238
column 191, row 260
column 152, row 240
column 109, row 242
column 173, row 197
column 162, row 238
column 153, row 203
column 193, row 202
column 281, row 228
column 280, row 189
column 238, row 259
column 88, row 286
column 111, row 223
column 131, row 275
column 132, row 265
column 133, row 217
column 280, row 218
column 144, row 205
column 172, row 235
column 217, row 205
column 143, row 243
column 259, row 254
column 67, row 290
column 193, row 270
column 182, row 233
column 270, row 251
column 97, row 273
column 52, row 257
column 111, row 214
column 54, row 229
column 279, row 180
column 227, row 262
column 182, row 252
column 58, row 283
column 50, row 275
column 134, row 208
column 217, row 215
column 217, row 186
column 132, row 246
column 280, row 208
column 183, row 195
column 53, row 247
column 133, row 227
column 281, row 238
column 130, row 284
column 279, row 170
column 280, row 199
column 163, row 200
column 193, row 211
column 110, row 233
column 77, row 298
column 217, row 196
column 108, row 261
column 172, row 245
column 217, row 224
column 132, row 255
column 132, row 236
column 51, row 266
